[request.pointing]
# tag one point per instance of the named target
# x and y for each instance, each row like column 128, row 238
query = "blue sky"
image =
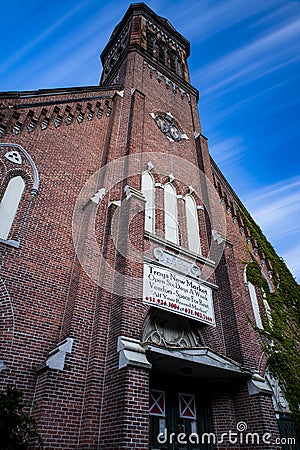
column 245, row 61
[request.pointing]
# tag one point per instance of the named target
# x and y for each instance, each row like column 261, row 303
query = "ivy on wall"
column 281, row 332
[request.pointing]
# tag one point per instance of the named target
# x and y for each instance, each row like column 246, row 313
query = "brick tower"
column 126, row 307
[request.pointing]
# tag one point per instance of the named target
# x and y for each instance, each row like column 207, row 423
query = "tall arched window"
column 171, row 223
column 192, row 225
column 9, row 205
column 161, row 54
column 265, row 301
column 150, row 43
column 254, row 301
column 149, row 193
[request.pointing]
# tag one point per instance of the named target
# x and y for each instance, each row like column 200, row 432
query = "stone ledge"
column 131, row 353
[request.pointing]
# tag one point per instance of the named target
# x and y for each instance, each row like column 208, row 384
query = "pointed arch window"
column 171, row 218
column 150, row 44
column 254, row 301
column 265, row 301
column 161, row 54
column 172, row 61
column 192, row 225
column 9, row 205
column 149, row 193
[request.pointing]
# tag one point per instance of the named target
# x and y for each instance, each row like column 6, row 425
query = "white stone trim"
column 131, row 353
column 218, row 237
column 114, row 202
column 98, row 196
column 150, row 166
column 56, row 358
column 134, row 193
column 258, row 385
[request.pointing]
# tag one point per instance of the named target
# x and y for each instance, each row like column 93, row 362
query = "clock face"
column 168, row 128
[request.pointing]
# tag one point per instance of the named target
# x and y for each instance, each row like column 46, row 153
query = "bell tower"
column 151, row 36
column 146, row 55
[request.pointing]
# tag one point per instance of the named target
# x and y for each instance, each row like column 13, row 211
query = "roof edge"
column 57, row 91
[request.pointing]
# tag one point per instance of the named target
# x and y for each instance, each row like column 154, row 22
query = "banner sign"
column 168, row 290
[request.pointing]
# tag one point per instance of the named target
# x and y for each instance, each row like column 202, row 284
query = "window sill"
column 178, row 249
column 10, row 243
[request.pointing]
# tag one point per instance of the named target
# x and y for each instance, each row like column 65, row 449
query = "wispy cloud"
column 262, row 56
column 201, row 22
column 28, row 47
column 227, row 151
column 65, row 50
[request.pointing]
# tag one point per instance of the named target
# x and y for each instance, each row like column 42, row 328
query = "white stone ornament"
column 218, row 237
column 131, row 353
column 56, row 358
column 150, row 166
column 97, row 197
column 279, row 401
column 169, row 330
column 14, row 157
column 176, row 262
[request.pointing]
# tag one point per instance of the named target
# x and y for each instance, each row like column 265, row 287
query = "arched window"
column 254, row 301
column 171, row 224
column 192, row 225
column 161, row 54
column 265, row 301
column 150, row 44
column 172, row 59
column 9, row 205
column 149, row 193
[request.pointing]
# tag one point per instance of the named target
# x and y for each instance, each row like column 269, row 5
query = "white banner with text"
column 168, row 290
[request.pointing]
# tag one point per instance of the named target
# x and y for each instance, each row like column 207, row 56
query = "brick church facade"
column 127, row 314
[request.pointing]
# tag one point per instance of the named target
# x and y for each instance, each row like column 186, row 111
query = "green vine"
column 281, row 332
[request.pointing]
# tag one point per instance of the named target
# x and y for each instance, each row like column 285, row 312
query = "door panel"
column 290, row 440
column 179, row 421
